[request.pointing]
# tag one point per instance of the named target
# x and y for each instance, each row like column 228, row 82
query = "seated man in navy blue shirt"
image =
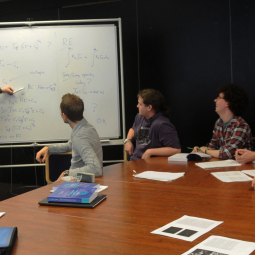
column 152, row 130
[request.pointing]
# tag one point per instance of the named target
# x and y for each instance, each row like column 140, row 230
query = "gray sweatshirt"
column 87, row 154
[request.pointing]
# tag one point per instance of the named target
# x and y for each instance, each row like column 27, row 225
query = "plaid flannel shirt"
column 237, row 135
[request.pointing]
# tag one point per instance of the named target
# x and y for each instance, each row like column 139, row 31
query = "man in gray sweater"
column 87, row 155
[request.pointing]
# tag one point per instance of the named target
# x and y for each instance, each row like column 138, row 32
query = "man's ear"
column 64, row 116
column 149, row 107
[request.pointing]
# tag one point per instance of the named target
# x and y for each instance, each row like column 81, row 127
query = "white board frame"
column 83, row 21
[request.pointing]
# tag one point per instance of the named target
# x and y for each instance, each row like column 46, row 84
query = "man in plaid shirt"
column 230, row 132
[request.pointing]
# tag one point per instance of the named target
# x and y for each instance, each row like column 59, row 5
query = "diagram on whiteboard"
column 42, row 64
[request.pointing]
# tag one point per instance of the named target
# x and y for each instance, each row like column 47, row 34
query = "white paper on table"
column 249, row 172
column 2, row 213
column 187, row 228
column 222, row 246
column 222, row 163
column 179, row 157
column 102, row 187
column 232, row 176
column 183, row 156
column 159, row 176
column 162, row 180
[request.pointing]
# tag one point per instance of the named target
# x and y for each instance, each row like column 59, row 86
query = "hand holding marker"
column 18, row 90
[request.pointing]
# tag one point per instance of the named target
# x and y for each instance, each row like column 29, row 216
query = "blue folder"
column 8, row 237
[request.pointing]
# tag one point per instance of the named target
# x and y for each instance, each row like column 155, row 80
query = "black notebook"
column 93, row 204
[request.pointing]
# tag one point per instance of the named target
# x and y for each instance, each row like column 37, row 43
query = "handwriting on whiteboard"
column 48, row 63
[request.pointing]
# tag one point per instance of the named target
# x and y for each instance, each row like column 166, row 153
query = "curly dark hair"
column 154, row 98
column 236, row 97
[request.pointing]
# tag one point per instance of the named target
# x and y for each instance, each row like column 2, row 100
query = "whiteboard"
column 48, row 62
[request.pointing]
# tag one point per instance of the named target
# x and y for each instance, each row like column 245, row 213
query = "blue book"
column 73, row 195
column 76, row 185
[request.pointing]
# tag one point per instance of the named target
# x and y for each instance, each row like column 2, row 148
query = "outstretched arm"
column 42, row 153
column 164, row 151
column 8, row 90
column 55, row 148
column 212, row 152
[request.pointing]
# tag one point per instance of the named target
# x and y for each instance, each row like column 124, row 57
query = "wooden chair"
column 55, row 164
column 126, row 156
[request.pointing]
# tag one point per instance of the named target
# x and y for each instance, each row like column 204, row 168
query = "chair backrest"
column 55, row 164
column 126, row 157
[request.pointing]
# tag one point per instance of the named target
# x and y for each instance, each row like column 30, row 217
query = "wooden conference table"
column 134, row 207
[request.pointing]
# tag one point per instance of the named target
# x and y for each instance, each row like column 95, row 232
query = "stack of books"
column 74, row 192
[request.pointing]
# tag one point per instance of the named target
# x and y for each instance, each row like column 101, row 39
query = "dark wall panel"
column 184, row 52
column 243, row 38
column 19, row 14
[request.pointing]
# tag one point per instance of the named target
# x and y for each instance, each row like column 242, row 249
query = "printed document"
column 179, row 157
column 222, row 246
column 159, row 176
column 214, row 164
column 187, row 228
column 188, row 156
column 102, row 187
column 249, row 172
column 232, row 176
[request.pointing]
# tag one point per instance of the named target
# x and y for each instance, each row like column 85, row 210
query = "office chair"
column 55, row 164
